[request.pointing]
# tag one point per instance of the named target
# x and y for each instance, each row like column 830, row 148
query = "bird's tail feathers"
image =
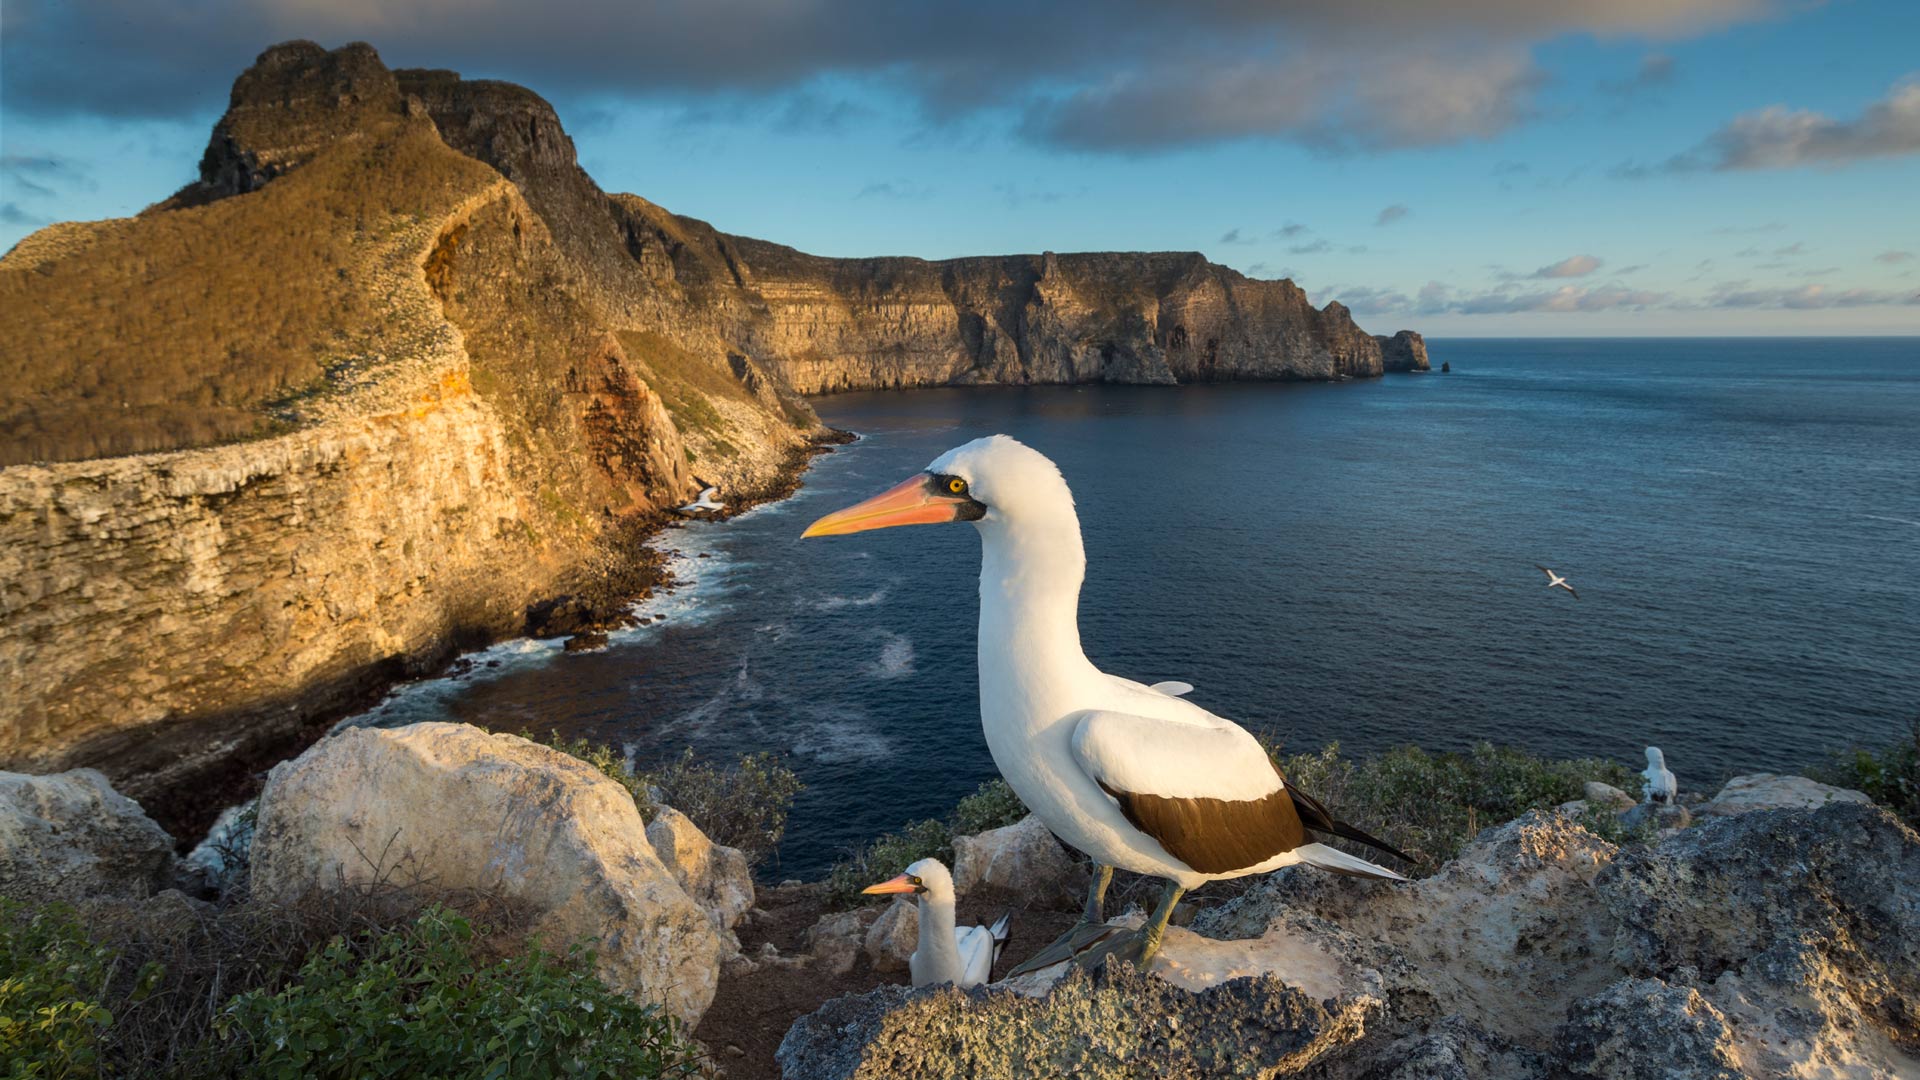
column 999, row 931
column 1339, row 862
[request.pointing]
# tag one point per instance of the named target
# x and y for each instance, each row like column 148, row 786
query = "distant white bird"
column 704, row 502
column 1661, row 787
column 963, row 956
column 1555, row 580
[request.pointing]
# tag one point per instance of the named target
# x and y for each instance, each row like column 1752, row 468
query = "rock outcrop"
column 441, row 374
column 71, row 836
column 450, row 808
column 1769, row 944
column 715, row 876
column 1021, row 858
column 1766, row 791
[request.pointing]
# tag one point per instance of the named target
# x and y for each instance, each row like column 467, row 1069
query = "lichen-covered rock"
column 1116, row 1024
column 1656, row 816
column 893, row 936
column 454, row 808
column 71, row 836
column 1766, row 791
column 1450, row 1049
column 1644, row 1029
column 834, row 942
column 1023, row 857
column 717, row 877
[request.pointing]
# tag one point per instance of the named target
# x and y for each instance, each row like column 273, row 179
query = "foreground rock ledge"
column 452, row 808
column 1774, row 943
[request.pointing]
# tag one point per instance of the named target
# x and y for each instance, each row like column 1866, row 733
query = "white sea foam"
column 835, row 603
column 896, row 657
column 1898, row 520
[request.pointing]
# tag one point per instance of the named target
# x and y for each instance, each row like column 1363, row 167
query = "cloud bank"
column 1098, row 75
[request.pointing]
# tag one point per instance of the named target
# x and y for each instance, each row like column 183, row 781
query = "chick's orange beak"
column 915, row 502
column 901, row 884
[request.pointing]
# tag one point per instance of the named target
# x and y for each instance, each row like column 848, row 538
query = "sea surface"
column 1348, row 562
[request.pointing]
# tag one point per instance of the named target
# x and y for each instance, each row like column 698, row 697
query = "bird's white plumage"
column 962, row 955
column 1172, row 688
column 704, row 502
column 1037, row 685
column 1661, row 785
column 1191, row 756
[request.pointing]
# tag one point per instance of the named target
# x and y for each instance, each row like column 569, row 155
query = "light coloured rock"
column 1644, row 1029
column 1661, row 816
column 1599, row 794
column 835, row 940
column 1117, row 1024
column 1022, row 858
column 717, row 877
column 71, row 836
column 1294, row 949
column 453, row 808
column 1766, row 791
column 893, row 936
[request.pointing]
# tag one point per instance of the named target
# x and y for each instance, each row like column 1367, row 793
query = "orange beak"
column 915, row 502
column 901, row 884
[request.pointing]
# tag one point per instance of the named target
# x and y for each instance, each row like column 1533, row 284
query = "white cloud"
column 1572, row 266
column 1392, row 214
column 1781, row 138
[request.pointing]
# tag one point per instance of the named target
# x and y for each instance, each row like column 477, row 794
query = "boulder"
column 448, row 807
column 1766, row 791
column 218, row 863
column 893, row 936
column 71, row 836
column 1660, row 816
column 1023, row 857
column 835, row 940
column 717, row 877
column 1644, row 1029
column 1117, row 1023
column 1599, row 794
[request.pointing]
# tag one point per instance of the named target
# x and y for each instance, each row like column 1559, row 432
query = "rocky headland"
column 394, row 375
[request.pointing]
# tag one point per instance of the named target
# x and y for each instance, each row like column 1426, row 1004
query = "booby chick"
column 961, row 955
column 1661, row 787
column 1136, row 777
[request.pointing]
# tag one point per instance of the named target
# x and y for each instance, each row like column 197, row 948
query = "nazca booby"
column 1136, row 777
column 1555, row 581
column 961, row 955
column 1661, row 787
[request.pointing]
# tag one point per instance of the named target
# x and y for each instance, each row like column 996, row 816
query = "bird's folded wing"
column 1207, row 791
column 976, row 953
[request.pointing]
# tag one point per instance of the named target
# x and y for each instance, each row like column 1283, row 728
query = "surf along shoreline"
column 633, row 569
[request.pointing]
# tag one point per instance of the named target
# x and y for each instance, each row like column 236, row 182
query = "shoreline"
column 629, row 569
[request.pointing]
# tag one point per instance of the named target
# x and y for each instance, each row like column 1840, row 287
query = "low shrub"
column 52, row 980
column 419, row 1001
column 991, row 806
column 1431, row 804
column 1889, row 776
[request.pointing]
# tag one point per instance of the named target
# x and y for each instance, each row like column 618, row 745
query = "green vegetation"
column 375, row 983
column 1430, row 804
column 1889, row 776
column 687, row 386
column 184, row 327
column 418, row 1001
column 742, row 806
column 51, row 979
column 992, row 806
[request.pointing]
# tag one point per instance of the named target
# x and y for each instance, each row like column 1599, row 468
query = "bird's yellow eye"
column 957, row 485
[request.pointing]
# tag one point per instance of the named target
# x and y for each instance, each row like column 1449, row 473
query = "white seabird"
column 704, row 502
column 1133, row 776
column 1660, row 787
column 1555, row 581
column 961, row 955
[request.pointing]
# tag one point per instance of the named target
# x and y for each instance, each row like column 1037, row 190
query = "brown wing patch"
column 1216, row 836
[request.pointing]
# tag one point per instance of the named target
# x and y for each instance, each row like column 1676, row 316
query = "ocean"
column 1349, row 562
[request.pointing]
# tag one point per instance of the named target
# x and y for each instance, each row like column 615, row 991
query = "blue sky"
column 1506, row 167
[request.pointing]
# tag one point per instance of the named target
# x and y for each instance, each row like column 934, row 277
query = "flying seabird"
column 1660, row 787
column 1555, row 580
column 1135, row 777
column 704, row 502
column 963, row 956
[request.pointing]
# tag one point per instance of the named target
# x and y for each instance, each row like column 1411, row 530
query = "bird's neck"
column 1030, row 575
column 937, row 944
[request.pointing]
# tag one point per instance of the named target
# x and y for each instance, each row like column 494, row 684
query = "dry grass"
column 187, row 327
column 686, row 384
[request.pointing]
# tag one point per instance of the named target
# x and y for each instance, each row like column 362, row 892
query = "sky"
column 1486, row 167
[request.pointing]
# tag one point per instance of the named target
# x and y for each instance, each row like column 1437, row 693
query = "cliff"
column 395, row 369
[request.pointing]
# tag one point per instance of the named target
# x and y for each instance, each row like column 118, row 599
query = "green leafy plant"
column 52, row 976
column 992, row 806
column 1889, row 776
column 418, row 1001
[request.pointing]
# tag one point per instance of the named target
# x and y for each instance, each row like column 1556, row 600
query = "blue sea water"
column 1349, row 562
